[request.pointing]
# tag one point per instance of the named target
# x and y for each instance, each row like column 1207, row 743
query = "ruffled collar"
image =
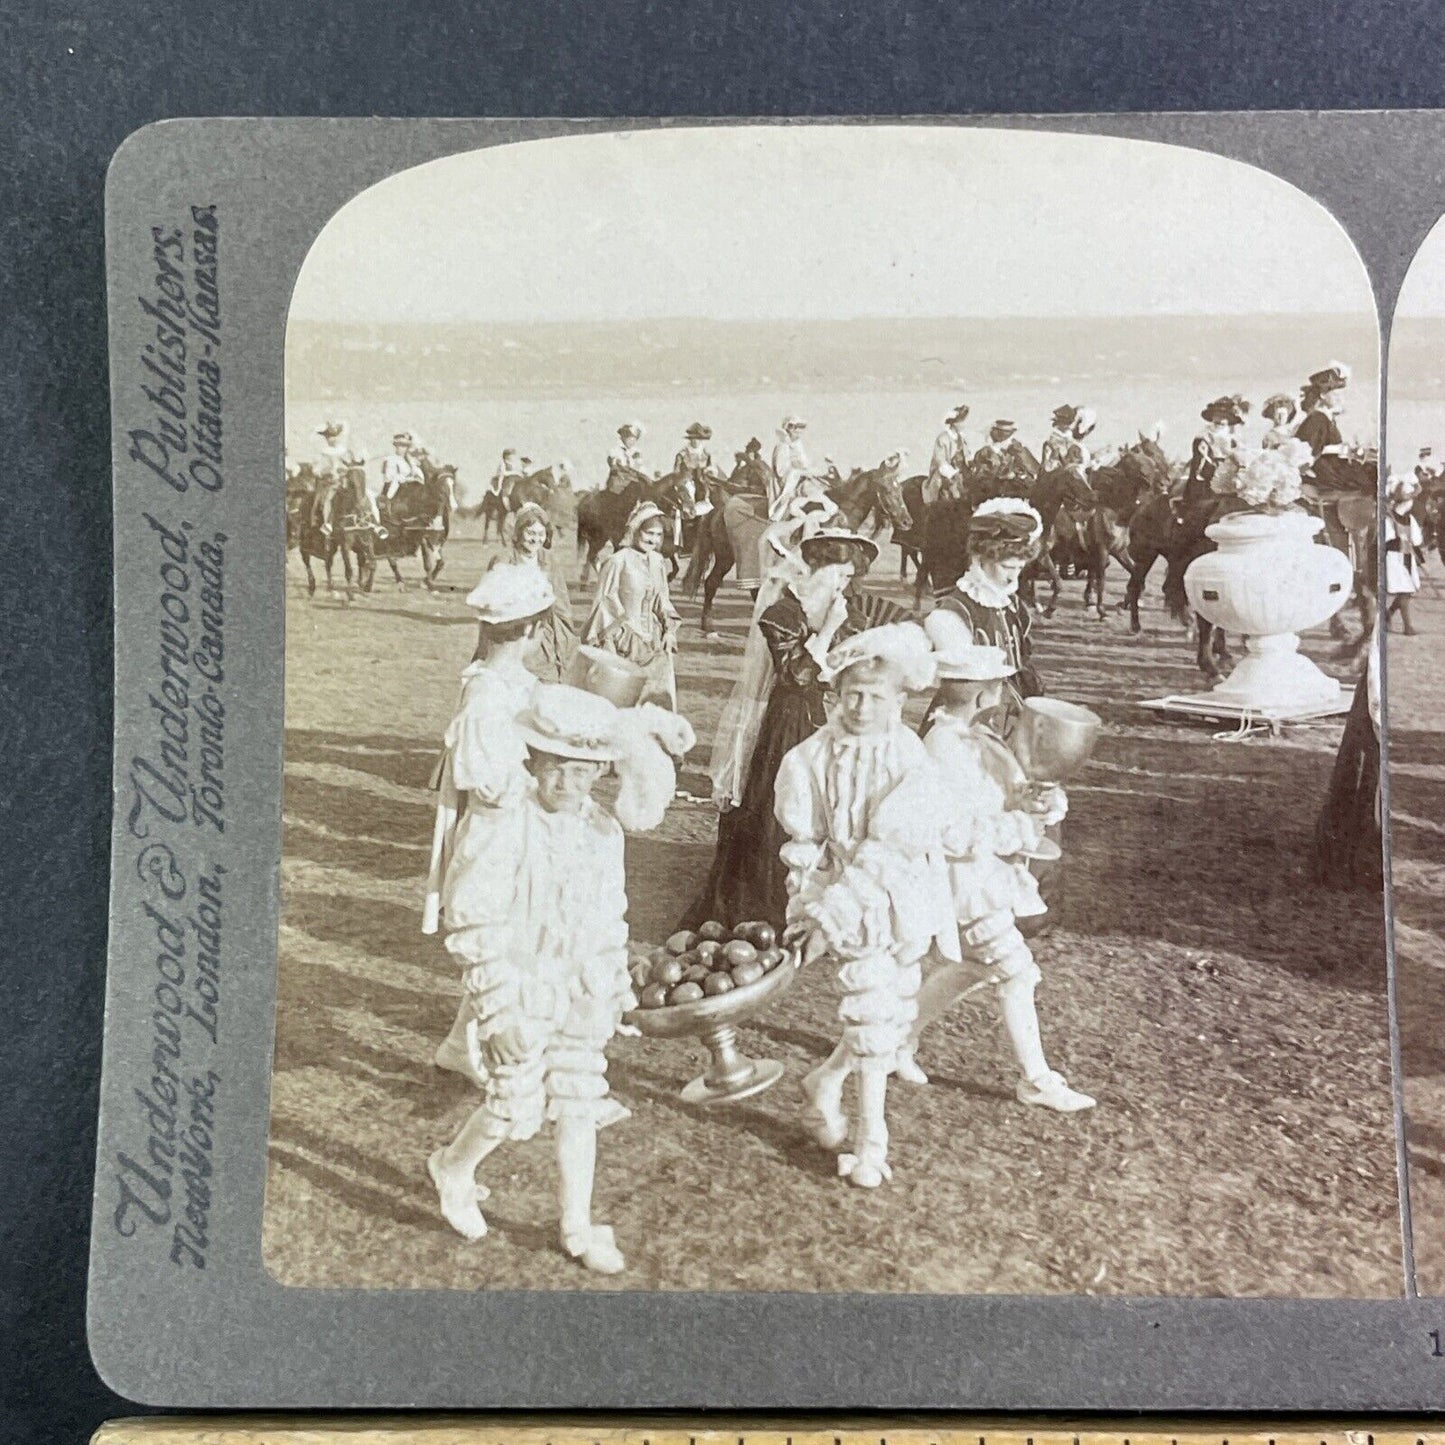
column 987, row 593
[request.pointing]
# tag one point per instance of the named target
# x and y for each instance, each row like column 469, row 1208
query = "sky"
column 1423, row 293
column 823, row 222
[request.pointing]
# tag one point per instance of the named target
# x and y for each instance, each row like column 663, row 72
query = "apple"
column 707, row 951
column 698, row 973
column 761, row 935
column 653, row 996
column 668, row 972
column 712, row 932
column 685, row 993
column 739, row 951
column 746, row 973
column 772, row 958
column 716, row 983
column 680, row 941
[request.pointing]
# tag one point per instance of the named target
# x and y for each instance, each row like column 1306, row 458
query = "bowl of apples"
column 703, row 984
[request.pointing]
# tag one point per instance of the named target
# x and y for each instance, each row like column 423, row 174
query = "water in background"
column 866, row 389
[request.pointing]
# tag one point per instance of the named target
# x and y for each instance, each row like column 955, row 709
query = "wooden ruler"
column 721, row 1429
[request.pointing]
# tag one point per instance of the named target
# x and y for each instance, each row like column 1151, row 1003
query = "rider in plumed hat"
column 950, row 458
column 1003, row 466
column 1280, row 412
column 625, row 456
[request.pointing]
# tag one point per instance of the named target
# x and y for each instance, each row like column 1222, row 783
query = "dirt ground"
column 1417, row 809
column 1230, row 1017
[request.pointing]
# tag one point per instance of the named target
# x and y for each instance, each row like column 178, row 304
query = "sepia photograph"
column 1414, row 623
column 832, row 726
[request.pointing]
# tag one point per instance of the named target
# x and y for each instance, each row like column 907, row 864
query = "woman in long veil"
column 807, row 604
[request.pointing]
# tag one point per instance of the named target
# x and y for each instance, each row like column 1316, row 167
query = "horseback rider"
column 1003, row 466
column 790, row 466
column 400, row 467
column 1320, row 428
column 695, row 465
column 509, row 469
column 1217, row 443
column 626, row 456
column 1280, row 412
column 327, row 471
column 950, row 457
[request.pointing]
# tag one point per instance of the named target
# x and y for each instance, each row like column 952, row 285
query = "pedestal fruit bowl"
column 702, row 985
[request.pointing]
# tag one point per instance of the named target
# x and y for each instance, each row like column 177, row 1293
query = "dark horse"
column 550, row 489
column 339, row 521
column 1088, row 530
column 602, row 515
column 713, row 551
column 418, row 518
column 873, row 496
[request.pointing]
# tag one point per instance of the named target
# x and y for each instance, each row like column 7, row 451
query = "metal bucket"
column 1052, row 739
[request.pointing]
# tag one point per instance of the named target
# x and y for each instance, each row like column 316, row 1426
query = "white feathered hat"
column 511, row 592
column 903, row 647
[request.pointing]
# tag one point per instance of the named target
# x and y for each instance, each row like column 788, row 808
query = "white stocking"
column 1021, row 1019
column 576, row 1168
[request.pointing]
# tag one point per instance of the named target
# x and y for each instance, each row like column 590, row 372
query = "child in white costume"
column 995, row 818
column 483, row 757
column 867, row 883
column 539, row 925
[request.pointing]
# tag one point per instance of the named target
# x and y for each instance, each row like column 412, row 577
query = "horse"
column 418, row 518
column 871, row 497
column 1343, row 496
column 344, row 524
column 740, row 502
column 1088, row 530
column 300, row 490
column 602, row 514
column 551, row 490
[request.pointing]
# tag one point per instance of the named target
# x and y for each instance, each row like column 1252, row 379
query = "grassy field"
column 1417, row 807
column 1230, row 1017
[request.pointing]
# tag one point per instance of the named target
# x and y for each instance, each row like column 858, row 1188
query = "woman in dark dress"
column 812, row 614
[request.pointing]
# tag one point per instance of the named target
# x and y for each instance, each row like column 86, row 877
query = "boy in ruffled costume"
column 539, row 925
column 866, row 879
column 994, row 819
column 483, row 759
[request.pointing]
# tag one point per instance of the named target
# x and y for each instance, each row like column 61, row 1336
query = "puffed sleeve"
column 799, row 812
column 786, row 631
column 607, row 609
column 603, row 984
column 967, row 829
column 486, row 754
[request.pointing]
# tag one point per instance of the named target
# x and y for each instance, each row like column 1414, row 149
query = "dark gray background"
column 76, row 81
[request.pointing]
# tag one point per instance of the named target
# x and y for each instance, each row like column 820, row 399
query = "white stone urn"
column 1270, row 580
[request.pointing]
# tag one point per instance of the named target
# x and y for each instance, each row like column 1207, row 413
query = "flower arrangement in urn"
column 1264, row 479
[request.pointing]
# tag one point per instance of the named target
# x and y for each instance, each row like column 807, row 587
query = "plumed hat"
column 566, row 722
column 903, row 647
column 1064, row 416
column 1278, row 400
column 511, row 593
column 1335, row 375
column 1230, row 409
column 699, row 433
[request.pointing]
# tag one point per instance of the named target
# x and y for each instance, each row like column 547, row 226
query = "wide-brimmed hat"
column 1230, row 409
column 630, row 429
column 839, row 534
column 793, row 419
column 1427, row 451
column 1278, row 400
column 699, row 433
column 901, row 646
column 1008, row 428
column 402, row 438
column 511, row 593
column 959, row 413
column 959, row 657
column 331, row 428
column 568, row 722
column 1065, row 416
column 1335, row 375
